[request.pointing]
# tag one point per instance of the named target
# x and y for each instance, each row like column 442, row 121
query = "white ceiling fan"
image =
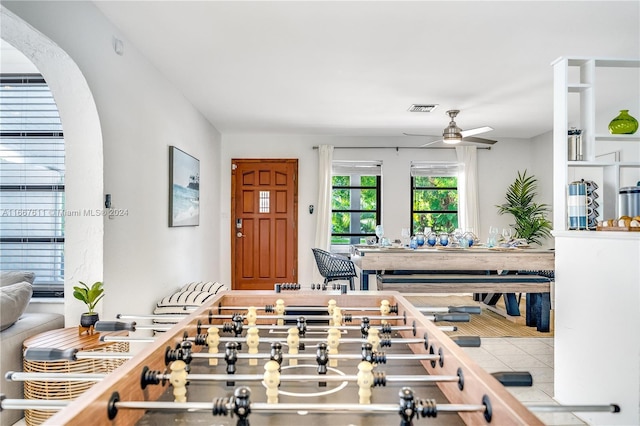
column 452, row 134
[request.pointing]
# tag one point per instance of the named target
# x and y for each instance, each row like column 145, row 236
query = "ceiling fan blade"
column 479, row 140
column 425, row 136
column 430, row 143
column 416, row 134
column 475, row 131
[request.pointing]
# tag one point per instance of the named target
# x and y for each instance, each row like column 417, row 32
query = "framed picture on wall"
column 184, row 188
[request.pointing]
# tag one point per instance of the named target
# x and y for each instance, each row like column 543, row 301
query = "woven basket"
column 65, row 390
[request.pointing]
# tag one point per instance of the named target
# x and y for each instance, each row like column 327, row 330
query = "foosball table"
column 335, row 368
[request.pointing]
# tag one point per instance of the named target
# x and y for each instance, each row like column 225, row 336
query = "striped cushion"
column 185, row 300
column 210, row 287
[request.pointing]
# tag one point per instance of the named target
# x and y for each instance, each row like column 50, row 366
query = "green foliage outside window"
column 356, row 201
column 433, row 199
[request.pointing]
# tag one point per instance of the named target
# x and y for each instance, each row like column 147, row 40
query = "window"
column 32, row 197
column 355, row 207
column 434, row 196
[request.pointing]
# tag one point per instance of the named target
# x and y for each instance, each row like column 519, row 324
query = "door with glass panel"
column 264, row 237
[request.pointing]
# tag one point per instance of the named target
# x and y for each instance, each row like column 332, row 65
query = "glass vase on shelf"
column 623, row 124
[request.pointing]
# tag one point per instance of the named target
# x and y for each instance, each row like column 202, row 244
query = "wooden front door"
column 264, row 215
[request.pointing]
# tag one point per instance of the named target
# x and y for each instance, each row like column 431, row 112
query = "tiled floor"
column 534, row 355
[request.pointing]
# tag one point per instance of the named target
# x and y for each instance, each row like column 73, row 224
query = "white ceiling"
column 354, row 68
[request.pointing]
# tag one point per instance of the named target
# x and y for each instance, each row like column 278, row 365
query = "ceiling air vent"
column 422, row 107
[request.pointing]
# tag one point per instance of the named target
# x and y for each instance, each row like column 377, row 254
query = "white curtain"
column 468, row 208
column 323, row 206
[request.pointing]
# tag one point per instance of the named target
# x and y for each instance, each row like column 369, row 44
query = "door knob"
column 239, row 234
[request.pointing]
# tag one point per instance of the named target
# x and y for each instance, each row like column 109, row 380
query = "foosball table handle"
column 460, row 317
column 114, row 326
column 50, row 354
column 514, row 378
column 467, row 341
column 465, row 309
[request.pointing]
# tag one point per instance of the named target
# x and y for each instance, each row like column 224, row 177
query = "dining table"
column 372, row 259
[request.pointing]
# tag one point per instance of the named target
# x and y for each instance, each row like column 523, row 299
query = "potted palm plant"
column 90, row 296
column 531, row 218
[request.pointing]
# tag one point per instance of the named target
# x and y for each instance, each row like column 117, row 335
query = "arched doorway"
column 84, row 155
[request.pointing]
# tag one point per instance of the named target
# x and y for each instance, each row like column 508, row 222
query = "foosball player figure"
column 293, row 340
column 365, row 382
column 213, row 340
column 279, row 310
column 337, row 317
column 272, row 381
column 365, row 325
column 252, row 316
column 231, row 357
column 331, row 306
column 253, row 340
column 374, row 339
column 301, row 324
column 322, row 358
column 276, row 353
column 384, row 310
column 178, row 379
column 333, row 341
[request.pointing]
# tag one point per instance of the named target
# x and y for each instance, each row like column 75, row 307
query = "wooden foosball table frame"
column 92, row 407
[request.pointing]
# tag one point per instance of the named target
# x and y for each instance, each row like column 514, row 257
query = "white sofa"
column 17, row 326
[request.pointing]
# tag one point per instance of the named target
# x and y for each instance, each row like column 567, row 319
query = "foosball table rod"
column 160, row 377
column 225, row 406
column 507, row 379
column 423, row 309
column 238, row 322
column 49, row 355
column 474, row 309
column 118, row 326
column 383, row 342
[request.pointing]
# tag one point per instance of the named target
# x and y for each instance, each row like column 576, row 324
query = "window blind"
column 32, row 197
column 434, row 168
column 363, row 168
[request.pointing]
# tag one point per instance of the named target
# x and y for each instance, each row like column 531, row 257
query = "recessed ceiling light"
column 422, row 107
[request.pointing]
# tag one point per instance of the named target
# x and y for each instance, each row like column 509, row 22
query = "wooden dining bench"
column 488, row 287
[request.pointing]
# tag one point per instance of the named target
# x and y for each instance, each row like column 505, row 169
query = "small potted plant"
column 90, row 296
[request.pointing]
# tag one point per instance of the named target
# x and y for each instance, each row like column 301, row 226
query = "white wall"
column 497, row 169
column 541, row 152
column 140, row 114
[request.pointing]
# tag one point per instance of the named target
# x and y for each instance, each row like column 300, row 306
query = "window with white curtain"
column 32, row 192
column 434, row 196
column 356, row 201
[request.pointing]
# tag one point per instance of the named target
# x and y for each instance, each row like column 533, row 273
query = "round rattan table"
column 66, row 338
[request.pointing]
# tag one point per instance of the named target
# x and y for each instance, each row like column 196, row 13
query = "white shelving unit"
column 578, row 76
column 597, row 288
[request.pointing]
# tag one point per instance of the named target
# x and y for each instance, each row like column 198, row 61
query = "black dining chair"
column 334, row 267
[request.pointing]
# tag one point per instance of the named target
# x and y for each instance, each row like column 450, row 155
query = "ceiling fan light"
column 451, row 134
column 452, row 139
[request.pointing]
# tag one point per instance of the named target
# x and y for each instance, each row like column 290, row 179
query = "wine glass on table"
column 506, row 234
column 493, row 236
column 379, row 233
